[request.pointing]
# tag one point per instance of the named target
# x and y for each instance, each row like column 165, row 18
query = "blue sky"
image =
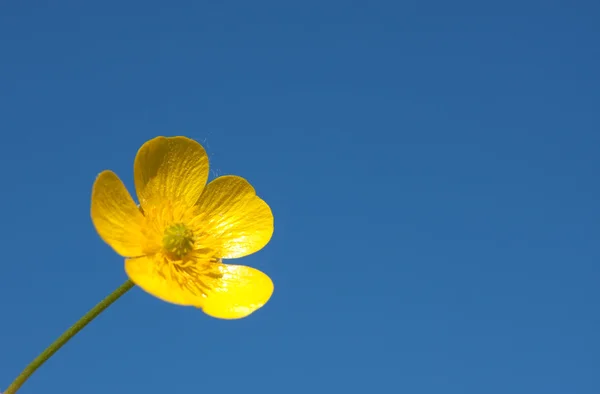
column 432, row 167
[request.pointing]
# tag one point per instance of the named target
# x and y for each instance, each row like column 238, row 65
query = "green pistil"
column 178, row 240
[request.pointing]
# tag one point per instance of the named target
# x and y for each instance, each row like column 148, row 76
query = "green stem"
column 64, row 338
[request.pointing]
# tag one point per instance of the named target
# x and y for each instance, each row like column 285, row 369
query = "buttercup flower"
column 175, row 240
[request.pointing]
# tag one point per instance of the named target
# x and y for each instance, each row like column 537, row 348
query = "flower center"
column 178, row 240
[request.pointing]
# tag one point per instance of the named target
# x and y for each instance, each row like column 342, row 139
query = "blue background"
column 432, row 167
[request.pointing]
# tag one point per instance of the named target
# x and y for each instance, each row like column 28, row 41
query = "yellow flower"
column 175, row 240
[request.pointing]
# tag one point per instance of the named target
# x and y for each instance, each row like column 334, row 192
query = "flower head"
column 175, row 240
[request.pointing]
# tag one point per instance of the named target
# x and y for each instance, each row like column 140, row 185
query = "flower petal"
column 223, row 291
column 117, row 219
column 173, row 169
column 239, row 292
column 157, row 276
column 233, row 215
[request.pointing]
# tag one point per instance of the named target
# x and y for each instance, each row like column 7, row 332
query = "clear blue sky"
column 432, row 166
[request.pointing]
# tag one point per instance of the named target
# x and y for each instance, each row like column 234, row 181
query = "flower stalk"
column 67, row 335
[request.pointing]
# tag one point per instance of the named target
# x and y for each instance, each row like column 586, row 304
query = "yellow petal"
column 221, row 290
column 170, row 169
column 238, row 292
column 233, row 215
column 157, row 276
column 116, row 217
